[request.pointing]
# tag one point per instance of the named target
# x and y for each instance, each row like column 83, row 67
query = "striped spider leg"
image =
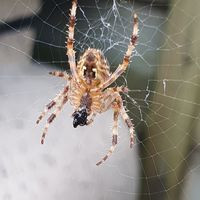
column 113, row 99
column 58, row 102
column 70, row 41
column 122, row 67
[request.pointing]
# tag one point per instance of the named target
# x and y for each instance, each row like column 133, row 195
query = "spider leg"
column 70, row 40
column 130, row 125
column 110, row 95
column 91, row 118
column 60, row 74
column 114, row 137
column 113, row 98
column 59, row 107
column 51, row 104
column 122, row 67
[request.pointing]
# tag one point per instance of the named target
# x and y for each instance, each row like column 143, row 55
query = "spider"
column 87, row 86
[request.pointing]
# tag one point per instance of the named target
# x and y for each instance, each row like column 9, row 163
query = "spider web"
column 161, row 101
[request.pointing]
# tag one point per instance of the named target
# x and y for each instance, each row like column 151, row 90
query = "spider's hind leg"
column 114, row 134
column 46, row 109
column 130, row 125
column 51, row 104
column 58, row 109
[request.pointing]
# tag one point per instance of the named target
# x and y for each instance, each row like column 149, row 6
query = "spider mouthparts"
column 80, row 118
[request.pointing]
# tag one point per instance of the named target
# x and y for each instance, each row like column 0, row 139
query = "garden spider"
column 87, row 86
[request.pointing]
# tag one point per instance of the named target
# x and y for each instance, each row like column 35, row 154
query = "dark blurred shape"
column 50, row 32
column 17, row 24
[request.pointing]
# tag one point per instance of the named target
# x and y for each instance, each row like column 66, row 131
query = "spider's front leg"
column 70, row 40
column 122, row 67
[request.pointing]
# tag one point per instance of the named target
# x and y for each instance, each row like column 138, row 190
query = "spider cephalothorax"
column 87, row 87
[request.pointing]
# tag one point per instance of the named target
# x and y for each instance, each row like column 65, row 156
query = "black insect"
column 80, row 117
